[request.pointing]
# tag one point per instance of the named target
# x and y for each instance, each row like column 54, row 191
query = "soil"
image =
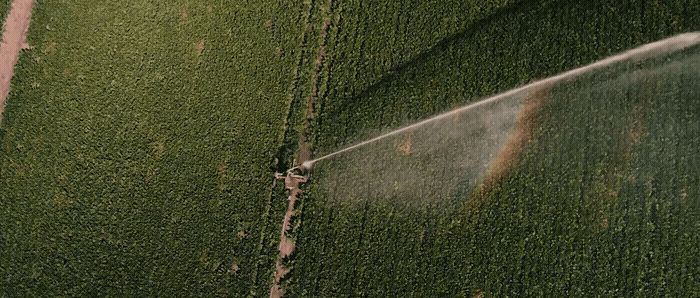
column 286, row 247
column 303, row 154
column 275, row 291
column 234, row 267
column 199, row 47
column 520, row 136
column 280, row 271
column 184, row 14
column 684, row 194
column 406, row 146
column 14, row 39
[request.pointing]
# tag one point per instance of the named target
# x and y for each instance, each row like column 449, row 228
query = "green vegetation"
column 512, row 46
column 139, row 139
column 4, row 8
column 548, row 226
column 136, row 148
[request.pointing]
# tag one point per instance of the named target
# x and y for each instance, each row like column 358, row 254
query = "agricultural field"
column 137, row 147
column 140, row 138
column 528, row 233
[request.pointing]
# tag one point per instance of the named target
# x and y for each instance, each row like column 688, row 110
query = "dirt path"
column 14, row 39
column 303, row 154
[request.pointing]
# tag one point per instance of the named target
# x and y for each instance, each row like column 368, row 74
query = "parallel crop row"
column 136, row 148
column 604, row 202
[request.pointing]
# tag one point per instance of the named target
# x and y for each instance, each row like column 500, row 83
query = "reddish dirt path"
column 303, row 154
column 286, row 247
column 14, row 39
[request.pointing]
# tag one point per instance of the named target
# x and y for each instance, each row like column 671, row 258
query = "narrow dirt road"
column 14, row 39
column 304, row 153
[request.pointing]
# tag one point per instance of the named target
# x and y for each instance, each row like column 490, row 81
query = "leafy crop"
column 581, row 213
column 137, row 144
column 4, row 8
column 138, row 141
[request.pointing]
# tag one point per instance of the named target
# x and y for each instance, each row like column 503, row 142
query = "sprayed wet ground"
column 580, row 164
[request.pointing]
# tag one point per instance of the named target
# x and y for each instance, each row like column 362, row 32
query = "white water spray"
column 669, row 45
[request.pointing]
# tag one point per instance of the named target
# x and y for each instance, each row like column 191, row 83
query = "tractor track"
column 305, row 17
column 304, row 150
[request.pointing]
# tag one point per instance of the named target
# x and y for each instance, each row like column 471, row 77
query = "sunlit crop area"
column 140, row 141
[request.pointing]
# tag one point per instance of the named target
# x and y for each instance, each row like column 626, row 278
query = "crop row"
column 604, row 201
column 136, row 148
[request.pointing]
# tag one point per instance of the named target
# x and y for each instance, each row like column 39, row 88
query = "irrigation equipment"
column 446, row 156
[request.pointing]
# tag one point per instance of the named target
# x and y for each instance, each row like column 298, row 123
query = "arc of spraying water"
column 668, row 45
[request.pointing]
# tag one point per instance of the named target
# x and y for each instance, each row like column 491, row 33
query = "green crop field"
column 528, row 236
column 4, row 7
column 137, row 145
column 140, row 138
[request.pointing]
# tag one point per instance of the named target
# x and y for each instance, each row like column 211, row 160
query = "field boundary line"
column 304, row 150
column 14, row 39
column 305, row 15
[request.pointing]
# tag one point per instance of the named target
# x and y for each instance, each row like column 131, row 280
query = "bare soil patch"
column 275, row 291
column 684, row 194
column 405, row 148
column 14, row 39
column 234, row 266
column 199, row 47
column 184, row 14
column 303, row 154
column 286, row 247
column 520, row 136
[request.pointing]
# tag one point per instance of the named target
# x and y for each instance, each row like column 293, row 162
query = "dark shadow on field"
column 516, row 44
column 428, row 55
column 565, row 210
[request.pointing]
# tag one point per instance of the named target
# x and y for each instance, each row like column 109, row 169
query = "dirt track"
column 14, row 39
column 303, row 154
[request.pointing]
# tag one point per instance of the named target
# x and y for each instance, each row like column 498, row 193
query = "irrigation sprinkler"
column 293, row 177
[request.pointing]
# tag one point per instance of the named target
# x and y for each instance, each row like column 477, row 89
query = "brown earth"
column 405, row 148
column 303, row 154
column 234, row 267
column 14, row 39
column 199, row 47
column 684, row 194
column 519, row 137
column 286, row 247
column 183, row 13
